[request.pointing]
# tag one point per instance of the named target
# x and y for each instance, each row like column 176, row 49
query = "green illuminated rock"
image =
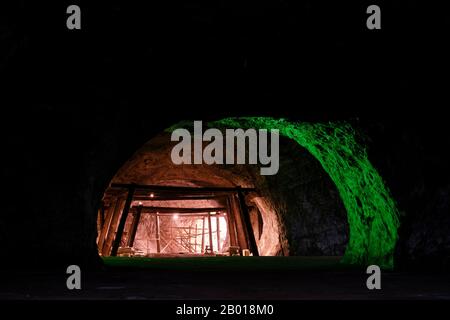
column 371, row 211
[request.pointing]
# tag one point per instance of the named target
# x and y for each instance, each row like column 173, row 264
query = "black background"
column 304, row 59
column 154, row 63
column 161, row 61
column 141, row 67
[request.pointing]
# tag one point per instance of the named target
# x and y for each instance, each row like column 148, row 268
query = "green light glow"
column 371, row 212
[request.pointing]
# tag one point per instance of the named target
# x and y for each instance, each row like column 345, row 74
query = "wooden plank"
column 158, row 234
column 247, row 224
column 191, row 190
column 218, row 232
column 134, row 227
column 211, row 244
column 231, row 223
column 104, row 231
column 171, row 210
column 146, row 209
column 203, row 235
column 170, row 197
column 190, row 240
column 239, row 223
column 106, row 250
column 196, row 233
column 187, row 215
column 122, row 222
column 102, row 215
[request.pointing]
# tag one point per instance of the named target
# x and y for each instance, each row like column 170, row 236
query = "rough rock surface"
column 301, row 211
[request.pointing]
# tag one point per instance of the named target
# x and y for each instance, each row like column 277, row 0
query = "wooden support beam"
column 123, row 220
column 158, row 234
column 218, row 232
column 190, row 240
column 203, row 235
column 192, row 190
column 247, row 224
column 104, row 230
column 239, row 223
column 185, row 215
column 112, row 227
column 170, row 197
column 134, row 227
column 211, row 244
column 196, row 233
column 173, row 210
column 102, row 214
column 231, row 223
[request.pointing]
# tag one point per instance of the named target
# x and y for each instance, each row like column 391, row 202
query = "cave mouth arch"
column 372, row 213
column 296, row 212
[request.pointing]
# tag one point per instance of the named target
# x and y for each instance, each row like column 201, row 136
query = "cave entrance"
column 297, row 212
column 155, row 220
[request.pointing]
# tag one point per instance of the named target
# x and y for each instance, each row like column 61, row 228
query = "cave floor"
column 274, row 278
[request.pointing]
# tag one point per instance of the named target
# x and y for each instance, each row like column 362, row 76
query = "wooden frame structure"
column 117, row 207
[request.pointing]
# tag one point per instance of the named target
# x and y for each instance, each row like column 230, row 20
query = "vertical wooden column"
column 112, row 226
column 227, row 240
column 196, row 235
column 231, row 223
column 134, row 226
column 123, row 220
column 218, row 232
column 104, row 230
column 247, row 223
column 102, row 215
column 190, row 240
column 211, row 245
column 241, row 231
column 203, row 235
column 100, row 220
column 158, row 234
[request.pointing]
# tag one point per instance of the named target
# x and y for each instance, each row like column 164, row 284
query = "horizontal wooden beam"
column 185, row 215
column 192, row 190
column 173, row 210
column 166, row 197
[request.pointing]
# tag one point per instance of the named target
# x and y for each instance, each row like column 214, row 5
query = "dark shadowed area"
column 81, row 110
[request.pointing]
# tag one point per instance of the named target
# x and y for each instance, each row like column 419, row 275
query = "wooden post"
column 239, row 223
column 123, row 220
column 231, row 223
column 134, row 227
column 211, row 245
column 218, row 232
column 112, row 226
column 104, row 231
column 203, row 235
column 196, row 235
column 102, row 215
column 247, row 223
column 190, row 240
column 158, row 235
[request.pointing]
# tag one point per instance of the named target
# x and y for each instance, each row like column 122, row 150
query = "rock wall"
column 301, row 211
column 56, row 177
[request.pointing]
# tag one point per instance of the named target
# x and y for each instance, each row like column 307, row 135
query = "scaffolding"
column 119, row 221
